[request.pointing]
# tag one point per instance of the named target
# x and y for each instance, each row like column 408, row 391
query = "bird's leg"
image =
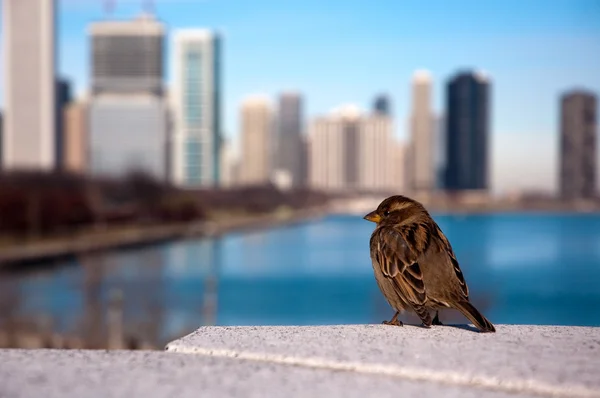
column 436, row 319
column 394, row 321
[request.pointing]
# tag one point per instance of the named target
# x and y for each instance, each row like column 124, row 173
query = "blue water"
column 521, row 269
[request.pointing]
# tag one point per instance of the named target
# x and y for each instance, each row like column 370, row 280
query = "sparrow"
column 414, row 265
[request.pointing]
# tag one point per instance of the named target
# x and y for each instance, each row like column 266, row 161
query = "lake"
column 521, row 269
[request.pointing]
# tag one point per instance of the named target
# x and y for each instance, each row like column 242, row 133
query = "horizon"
column 532, row 52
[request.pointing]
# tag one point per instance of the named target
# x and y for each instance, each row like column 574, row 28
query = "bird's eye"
column 386, row 213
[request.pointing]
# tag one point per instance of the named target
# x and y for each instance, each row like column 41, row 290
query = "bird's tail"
column 476, row 317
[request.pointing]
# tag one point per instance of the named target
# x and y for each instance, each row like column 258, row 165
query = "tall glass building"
column 196, row 108
column 467, row 132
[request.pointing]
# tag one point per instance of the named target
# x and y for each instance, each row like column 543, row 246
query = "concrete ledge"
column 331, row 361
column 529, row 360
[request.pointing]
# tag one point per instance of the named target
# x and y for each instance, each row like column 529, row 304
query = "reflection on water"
column 527, row 269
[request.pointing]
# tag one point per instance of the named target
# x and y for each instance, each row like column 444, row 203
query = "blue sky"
column 337, row 51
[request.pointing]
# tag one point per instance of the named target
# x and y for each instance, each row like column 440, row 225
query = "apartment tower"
column 352, row 152
column 578, row 145
column 29, row 84
column 421, row 168
column 256, row 130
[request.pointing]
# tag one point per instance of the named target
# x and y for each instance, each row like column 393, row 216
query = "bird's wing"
column 447, row 248
column 398, row 262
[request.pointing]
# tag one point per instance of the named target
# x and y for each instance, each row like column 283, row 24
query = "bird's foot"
column 393, row 322
column 436, row 320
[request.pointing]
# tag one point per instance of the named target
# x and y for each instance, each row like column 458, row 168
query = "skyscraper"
column 256, row 130
column 75, row 139
column 352, row 152
column 422, row 145
column 381, row 105
column 196, row 107
column 63, row 97
column 467, row 131
column 333, row 143
column 289, row 151
column 29, row 79
column 127, row 112
column 375, row 154
column 578, row 145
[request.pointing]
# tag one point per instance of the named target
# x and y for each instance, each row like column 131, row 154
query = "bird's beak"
column 373, row 217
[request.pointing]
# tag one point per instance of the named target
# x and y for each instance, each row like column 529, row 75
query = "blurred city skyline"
column 532, row 52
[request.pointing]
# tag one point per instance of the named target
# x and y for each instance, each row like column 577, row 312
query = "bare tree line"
column 36, row 204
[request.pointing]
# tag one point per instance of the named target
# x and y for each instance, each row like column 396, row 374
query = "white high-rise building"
column 421, row 161
column 327, row 156
column 257, row 133
column 29, row 84
column 195, row 102
column 375, row 153
column 128, row 114
column 350, row 151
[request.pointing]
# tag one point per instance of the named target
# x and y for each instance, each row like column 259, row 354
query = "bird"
column 415, row 266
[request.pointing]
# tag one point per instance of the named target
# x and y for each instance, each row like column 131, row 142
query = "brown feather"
column 398, row 262
column 414, row 264
column 447, row 248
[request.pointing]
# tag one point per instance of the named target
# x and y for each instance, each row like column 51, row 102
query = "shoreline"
column 20, row 256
